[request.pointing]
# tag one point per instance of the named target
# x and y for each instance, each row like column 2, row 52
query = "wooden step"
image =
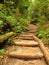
column 16, row 61
column 26, row 52
column 25, row 36
column 25, row 42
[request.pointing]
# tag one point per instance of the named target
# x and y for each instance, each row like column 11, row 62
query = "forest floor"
column 25, row 54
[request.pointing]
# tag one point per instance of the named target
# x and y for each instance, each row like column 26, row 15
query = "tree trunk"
column 5, row 36
column 24, row 42
column 17, row 9
column 43, row 48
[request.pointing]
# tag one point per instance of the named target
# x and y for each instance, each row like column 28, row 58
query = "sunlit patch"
column 32, row 0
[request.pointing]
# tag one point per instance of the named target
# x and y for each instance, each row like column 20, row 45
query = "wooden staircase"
column 25, row 51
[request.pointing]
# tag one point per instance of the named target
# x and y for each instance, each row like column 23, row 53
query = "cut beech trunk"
column 24, row 42
column 6, row 36
column 25, row 37
column 26, row 52
column 43, row 48
column 25, row 55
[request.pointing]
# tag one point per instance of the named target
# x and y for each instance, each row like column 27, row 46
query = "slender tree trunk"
column 17, row 9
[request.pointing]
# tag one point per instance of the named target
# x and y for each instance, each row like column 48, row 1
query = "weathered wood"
column 16, row 61
column 25, row 37
column 26, row 52
column 24, row 42
column 43, row 48
column 5, row 36
column 33, row 56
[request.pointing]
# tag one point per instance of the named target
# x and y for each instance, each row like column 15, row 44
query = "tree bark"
column 43, row 48
column 17, row 9
column 25, row 55
column 5, row 36
column 24, row 42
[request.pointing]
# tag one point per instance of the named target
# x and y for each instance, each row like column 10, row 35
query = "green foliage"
column 1, row 6
column 40, row 16
column 8, row 21
column 11, row 20
column 39, row 10
column 24, row 8
column 1, row 51
column 2, row 15
column 9, row 4
column 1, row 23
column 21, row 25
column 41, row 33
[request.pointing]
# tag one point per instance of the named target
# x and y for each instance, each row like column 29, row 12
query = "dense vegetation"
column 40, row 15
column 11, row 18
column 16, row 14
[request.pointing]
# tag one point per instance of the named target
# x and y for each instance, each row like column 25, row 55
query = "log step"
column 25, row 42
column 25, row 36
column 26, row 52
column 16, row 61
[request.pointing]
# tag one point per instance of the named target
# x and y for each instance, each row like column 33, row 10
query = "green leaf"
column 1, row 22
column 11, row 20
column 2, row 15
column 41, row 34
column 1, row 6
column 1, row 51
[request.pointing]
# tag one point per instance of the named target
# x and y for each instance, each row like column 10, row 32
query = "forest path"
column 26, row 51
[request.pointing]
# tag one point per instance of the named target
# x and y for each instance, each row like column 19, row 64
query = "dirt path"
column 25, row 52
